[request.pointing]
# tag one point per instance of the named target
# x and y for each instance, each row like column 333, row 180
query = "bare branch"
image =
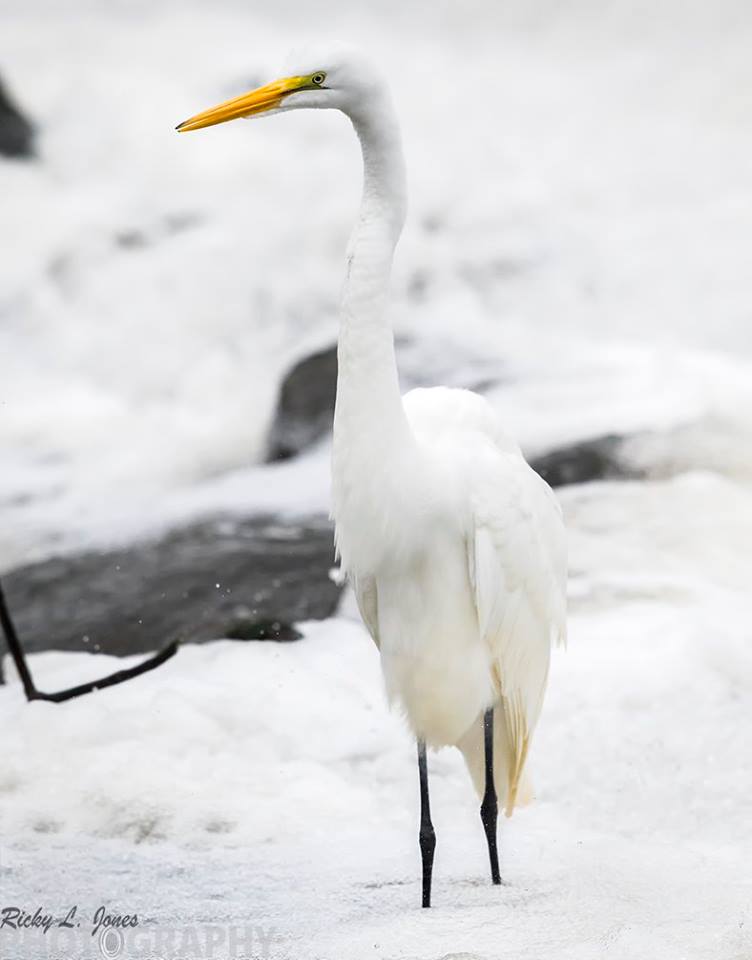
column 30, row 689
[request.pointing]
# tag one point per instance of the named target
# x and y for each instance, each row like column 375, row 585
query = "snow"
column 267, row 783
column 580, row 222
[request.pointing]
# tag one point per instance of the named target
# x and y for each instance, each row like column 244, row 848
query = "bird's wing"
column 517, row 564
column 365, row 594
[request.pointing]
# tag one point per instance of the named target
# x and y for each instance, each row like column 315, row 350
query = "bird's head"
column 343, row 81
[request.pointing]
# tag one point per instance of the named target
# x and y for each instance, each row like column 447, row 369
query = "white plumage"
column 469, row 596
column 454, row 546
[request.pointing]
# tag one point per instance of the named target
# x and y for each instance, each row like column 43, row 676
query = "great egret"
column 454, row 546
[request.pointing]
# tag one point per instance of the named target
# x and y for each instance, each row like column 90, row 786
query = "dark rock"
column 305, row 409
column 227, row 577
column 599, row 459
column 248, row 628
column 16, row 132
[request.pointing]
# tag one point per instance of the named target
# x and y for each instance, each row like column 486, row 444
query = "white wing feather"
column 517, row 565
column 517, row 555
column 366, row 596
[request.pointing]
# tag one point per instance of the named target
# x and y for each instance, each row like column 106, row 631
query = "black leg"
column 427, row 835
column 489, row 809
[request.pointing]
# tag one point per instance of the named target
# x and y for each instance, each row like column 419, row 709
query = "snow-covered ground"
column 581, row 203
column 267, row 786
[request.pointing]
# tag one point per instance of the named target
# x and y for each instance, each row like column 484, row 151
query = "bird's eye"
column 318, row 78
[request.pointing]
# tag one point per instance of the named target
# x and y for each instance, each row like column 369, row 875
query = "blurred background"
column 579, row 233
column 577, row 247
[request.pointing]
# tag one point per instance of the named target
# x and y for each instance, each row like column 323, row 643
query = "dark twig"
column 120, row 676
column 16, row 651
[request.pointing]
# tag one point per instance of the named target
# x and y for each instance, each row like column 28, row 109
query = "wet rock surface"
column 305, row 407
column 602, row 458
column 16, row 132
column 226, row 577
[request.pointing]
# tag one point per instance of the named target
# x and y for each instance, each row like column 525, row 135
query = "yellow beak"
column 257, row 101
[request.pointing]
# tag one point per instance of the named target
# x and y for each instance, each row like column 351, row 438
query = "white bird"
column 454, row 546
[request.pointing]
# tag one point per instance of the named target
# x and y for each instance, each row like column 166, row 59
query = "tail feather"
column 513, row 787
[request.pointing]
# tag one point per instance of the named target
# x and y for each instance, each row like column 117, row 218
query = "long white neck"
column 371, row 434
column 369, row 408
